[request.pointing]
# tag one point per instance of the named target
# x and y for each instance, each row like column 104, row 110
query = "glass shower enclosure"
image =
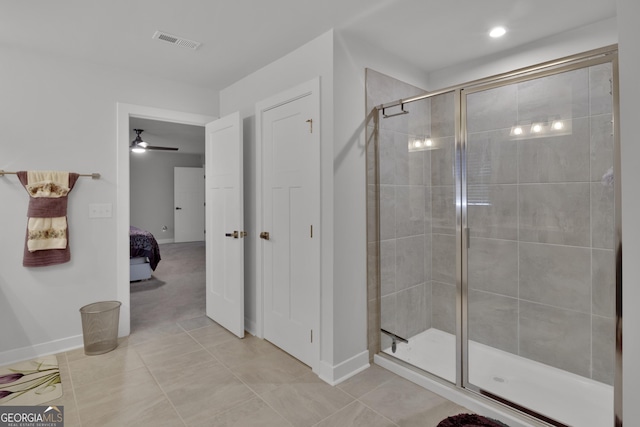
column 495, row 210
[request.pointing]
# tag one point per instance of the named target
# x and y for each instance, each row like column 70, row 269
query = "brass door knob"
column 264, row 235
column 234, row 234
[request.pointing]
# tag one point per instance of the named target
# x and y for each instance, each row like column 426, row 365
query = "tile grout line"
column 590, row 233
column 371, row 391
column 160, row 387
column 377, row 413
column 217, row 360
column 257, row 395
column 191, row 352
column 73, row 389
column 354, row 400
column 228, row 368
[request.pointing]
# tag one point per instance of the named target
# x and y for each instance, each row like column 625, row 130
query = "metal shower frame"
column 608, row 54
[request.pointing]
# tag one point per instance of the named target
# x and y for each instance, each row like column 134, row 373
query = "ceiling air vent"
column 175, row 40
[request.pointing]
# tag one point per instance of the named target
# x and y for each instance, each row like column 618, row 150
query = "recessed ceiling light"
column 497, row 32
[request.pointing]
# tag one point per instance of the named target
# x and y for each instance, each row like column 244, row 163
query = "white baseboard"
column 44, row 349
column 334, row 375
column 461, row 397
column 162, row 241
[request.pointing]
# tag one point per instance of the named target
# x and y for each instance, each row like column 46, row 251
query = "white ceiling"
column 240, row 36
column 435, row 34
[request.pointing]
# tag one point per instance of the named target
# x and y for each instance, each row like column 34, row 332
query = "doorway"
column 167, row 181
column 167, row 206
column 125, row 113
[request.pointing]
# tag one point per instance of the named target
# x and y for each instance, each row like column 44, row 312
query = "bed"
column 144, row 254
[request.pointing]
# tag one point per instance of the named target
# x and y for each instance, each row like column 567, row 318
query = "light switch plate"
column 100, row 210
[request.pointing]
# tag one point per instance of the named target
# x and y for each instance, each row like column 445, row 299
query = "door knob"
column 264, row 235
column 234, row 234
column 178, row 208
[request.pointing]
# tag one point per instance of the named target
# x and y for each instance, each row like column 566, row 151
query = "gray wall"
column 74, row 102
column 151, row 190
column 629, row 30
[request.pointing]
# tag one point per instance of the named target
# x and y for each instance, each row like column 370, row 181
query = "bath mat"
column 470, row 420
column 31, row 382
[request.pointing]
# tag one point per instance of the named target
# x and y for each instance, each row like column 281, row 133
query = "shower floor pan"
column 560, row 395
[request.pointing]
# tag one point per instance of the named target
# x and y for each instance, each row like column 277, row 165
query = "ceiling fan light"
column 138, row 145
column 138, row 149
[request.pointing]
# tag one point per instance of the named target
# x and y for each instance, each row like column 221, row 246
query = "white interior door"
column 188, row 199
column 290, row 214
column 224, row 222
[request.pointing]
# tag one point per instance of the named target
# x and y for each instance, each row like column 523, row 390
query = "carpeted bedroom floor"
column 173, row 300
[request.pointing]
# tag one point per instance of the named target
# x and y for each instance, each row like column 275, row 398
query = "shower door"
column 538, row 260
column 419, row 234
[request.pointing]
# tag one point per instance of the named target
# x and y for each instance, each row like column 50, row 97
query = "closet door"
column 288, row 126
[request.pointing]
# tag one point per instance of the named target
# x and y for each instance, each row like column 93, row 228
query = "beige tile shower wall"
column 399, row 288
column 541, row 265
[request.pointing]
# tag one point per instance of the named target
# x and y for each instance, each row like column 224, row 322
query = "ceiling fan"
column 139, row 146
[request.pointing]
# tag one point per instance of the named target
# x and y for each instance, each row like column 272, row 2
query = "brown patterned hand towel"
column 46, row 241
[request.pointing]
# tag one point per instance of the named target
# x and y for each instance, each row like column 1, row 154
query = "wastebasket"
column 100, row 326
